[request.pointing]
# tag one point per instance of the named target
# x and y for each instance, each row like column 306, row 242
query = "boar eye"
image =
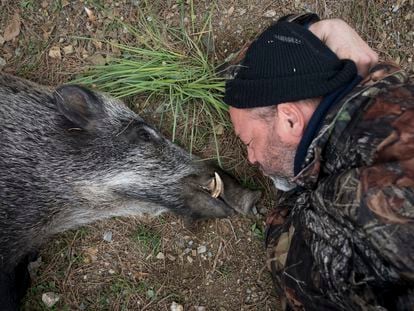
column 142, row 134
column 139, row 132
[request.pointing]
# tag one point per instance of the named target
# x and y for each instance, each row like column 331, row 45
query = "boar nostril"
column 215, row 186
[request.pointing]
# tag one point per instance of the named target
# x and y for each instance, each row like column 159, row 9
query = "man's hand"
column 345, row 43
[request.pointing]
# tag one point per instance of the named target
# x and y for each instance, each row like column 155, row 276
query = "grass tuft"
column 181, row 76
column 147, row 238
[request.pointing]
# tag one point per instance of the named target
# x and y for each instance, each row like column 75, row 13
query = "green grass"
column 172, row 67
column 147, row 239
column 258, row 231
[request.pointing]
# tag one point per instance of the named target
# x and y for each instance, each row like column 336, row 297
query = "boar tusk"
column 218, row 187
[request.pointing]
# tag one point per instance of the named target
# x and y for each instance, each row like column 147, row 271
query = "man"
column 342, row 237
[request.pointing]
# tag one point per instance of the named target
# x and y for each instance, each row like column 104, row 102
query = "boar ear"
column 79, row 105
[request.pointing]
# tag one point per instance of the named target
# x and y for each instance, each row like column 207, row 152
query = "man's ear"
column 291, row 122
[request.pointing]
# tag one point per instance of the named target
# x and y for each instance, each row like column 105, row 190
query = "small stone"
column 2, row 62
column 44, row 4
column 187, row 250
column 68, row 49
column 107, row 236
column 395, row 8
column 176, row 307
column 151, row 293
column 160, row 256
column 50, row 299
column 194, row 253
column 33, row 266
column 82, row 306
column 254, row 210
column 111, row 271
column 201, row 249
column 190, row 260
column 18, row 51
column 230, row 11
column 270, row 13
column 54, row 52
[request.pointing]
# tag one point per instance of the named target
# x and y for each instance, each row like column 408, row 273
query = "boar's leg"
column 14, row 283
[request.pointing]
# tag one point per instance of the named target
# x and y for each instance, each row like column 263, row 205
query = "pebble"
column 270, row 13
column 110, row 271
column 242, row 12
column 190, row 260
column 33, row 266
column 176, row 307
column 107, row 236
column 50, row 299
column 160, row 256
column 230, row 11
column 201, row 249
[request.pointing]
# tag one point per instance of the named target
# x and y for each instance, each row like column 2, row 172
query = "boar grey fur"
column 71, row 156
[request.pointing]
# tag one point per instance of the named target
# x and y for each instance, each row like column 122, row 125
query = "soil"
column 147, row 264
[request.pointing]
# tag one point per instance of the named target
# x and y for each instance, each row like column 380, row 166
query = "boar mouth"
column 217, row 196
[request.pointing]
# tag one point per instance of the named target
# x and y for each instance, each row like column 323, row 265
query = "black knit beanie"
column 286, row 63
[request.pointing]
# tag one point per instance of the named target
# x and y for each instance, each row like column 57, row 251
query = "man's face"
column 265, row 147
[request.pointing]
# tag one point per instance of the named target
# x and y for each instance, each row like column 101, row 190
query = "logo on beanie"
column 287, row 39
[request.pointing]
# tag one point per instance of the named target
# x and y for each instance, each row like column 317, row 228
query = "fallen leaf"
column 97, row 60
column 12, row 30
column 91, row 254
column 90, row 14
column 68, row 50
column 54, row 52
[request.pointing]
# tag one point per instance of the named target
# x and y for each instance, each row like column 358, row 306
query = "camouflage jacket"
column 345, row 239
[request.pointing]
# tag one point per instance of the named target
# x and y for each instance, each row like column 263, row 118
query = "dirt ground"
column 148, row 264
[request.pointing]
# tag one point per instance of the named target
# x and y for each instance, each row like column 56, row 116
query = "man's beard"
column 278, row 163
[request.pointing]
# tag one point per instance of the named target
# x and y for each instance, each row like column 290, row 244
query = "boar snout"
column 216, row 195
